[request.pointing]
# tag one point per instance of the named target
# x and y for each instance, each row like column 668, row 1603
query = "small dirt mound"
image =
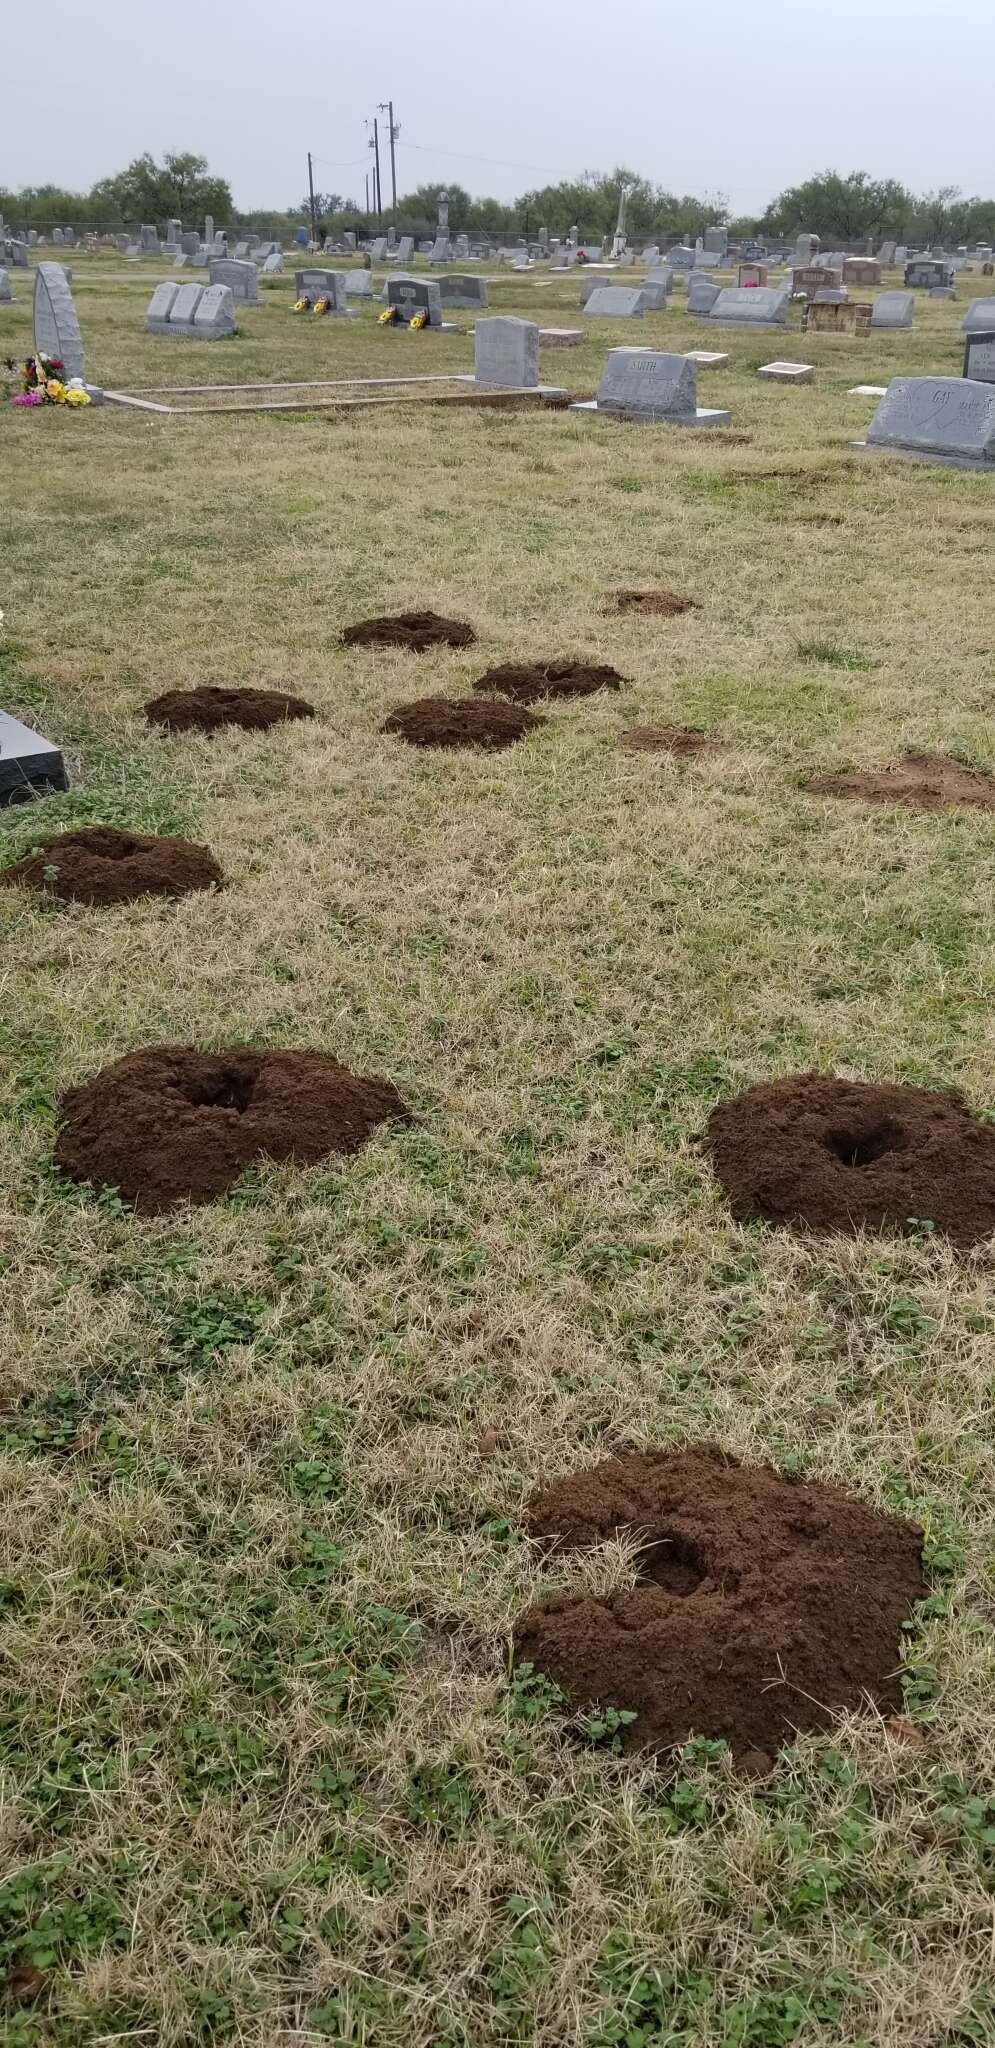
column 207, row 709
column 460, row 722
column 100, row 865
column 530, row 682
column 171, row 1124
column 921, row 781
column 822, row 1154
column 682, row 741
column 763, row 1606
column 416, row 630
column 666, row 604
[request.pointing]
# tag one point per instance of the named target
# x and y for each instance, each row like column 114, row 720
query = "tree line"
column 841, row 208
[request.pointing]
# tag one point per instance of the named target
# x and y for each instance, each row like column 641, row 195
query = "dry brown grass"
column 562, row 956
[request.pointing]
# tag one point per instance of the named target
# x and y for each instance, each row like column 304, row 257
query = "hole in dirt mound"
column 922, row 781
column 207, row 709
column 460, row 722
column 100, row 865
column 416, row 630
column 682, row 741
column 172, row 1124
column 665, row 604
column 528, row 682
column 820, row 1154
column 784, row 1604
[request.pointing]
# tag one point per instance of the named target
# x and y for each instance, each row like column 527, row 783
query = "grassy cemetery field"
column 283, row 1760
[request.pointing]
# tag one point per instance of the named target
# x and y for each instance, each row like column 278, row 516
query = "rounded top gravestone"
column 56, row 328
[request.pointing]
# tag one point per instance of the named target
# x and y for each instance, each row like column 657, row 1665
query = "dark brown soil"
column 172, row 1124
column 923, row 781
column 460, row 722
column 680, row 740
column 763, row 1606
column 101, row 865
column 527, row 682
column 667, row 604
column 416, row 630
column 821, row 1154
column 207, row 709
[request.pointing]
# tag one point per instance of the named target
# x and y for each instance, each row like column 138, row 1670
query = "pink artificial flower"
column 28, row 398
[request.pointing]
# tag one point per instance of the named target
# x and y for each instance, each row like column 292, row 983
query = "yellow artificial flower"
column 77, row 397
column 322, row 305
column 56, row 391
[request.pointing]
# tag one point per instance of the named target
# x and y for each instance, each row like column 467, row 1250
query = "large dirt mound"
column 207, row 709
column 526, row 682
column 823, row 1154
column 683, row 741
column 667, row 604
column 101, row 865
column 923, row 781
column 763, row 1606
column 460, row 722
column 416, row 630
column 170, row 1123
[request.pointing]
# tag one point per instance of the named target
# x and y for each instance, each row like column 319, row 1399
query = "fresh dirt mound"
column 817, row 1153
column 527, row 682
column 416, row 630
column 171, row 1124
column 667, row 604
column 101, row 865
column 207, row 709
column 460, row 722
column 763, row 1606
column 923, row 781
column 680, row 740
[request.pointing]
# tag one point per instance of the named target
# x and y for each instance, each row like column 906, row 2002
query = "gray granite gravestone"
column 190, row 243
column 593, row 282
column 6, row 295
column 241, row 251
column 925, row 271
column 358, row 284
column 979, row 357
column 702, row 294
column 614, row 302
column 404, row 251
column 893, row 309
column 470, row 292
column 661, row 273
column 183, row 308
column 653, row 296
column 56, row 328
column 440, row 250
column 324, row 284
column 29, row 765
column 160, row 306
column 57, row 238
column 242, row 279
column 214, row 314
column 378, row 249
column 413, row 295
column 717, row 243
column 148, row 239
column 646, row 384
column 273, row 264
column 750, row 306
column 980, row 316
column 506, row 353
column 16, row 254
column 944, row 419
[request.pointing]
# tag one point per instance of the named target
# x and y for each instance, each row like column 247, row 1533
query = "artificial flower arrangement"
column 302, row 305
column 321, row 305
column 43, row 382
column 419, row 319
column 389, row 317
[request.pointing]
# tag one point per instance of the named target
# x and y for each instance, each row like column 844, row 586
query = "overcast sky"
column 730, row 99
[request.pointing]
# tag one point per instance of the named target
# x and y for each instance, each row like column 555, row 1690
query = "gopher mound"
column 100, row 865
column 207, row 709
column 172, row 1124
column 527, row 682
column 762, row 1607
column 923, row 781
column 821, row 1154
column 666, row 604
column 682, row 741
column 415, row 630
column 460, row 722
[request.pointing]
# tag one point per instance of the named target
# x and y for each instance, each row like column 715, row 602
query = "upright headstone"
column 159, row 309
column 273, row 264
column 980, row 316
column 717, row 243
column 614, row 302
column 6, row 295
column 190, row 243
column 681, row 258
column 979, row 357
column 148, row 239
column 405, row 249
column 323, row 284
column 945, row 418
column 242, row 279
column 413, row 295
column 751, row 274
column 815, row 277
column 924, row 272
column 806, row 249
column 653, row 296
column 893, row 309
column 647, row 384
column 886, row 254
column 56, row 328
column 174, row 232
column 506, row 353
column 470, row 292
column 863, row 270
column 209, row 230
column 702, row 294
column 593, row 282
column 57, row 238
column 378, row 248
column 30, row 766
column 214, row 313
column 440, row 250
column 358, row 284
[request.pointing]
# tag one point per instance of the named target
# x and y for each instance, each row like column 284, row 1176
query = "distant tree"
column 591, row 203
column 177, row 188
column 840, row 209
column 422, row 205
